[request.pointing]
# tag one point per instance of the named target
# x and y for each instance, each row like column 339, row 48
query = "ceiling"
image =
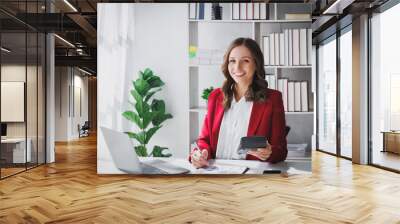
column 76, row 22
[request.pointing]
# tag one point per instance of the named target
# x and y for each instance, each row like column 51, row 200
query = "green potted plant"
column 146, row 113
column 206, row 93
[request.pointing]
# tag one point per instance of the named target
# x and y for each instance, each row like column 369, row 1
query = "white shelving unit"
column 218, row 34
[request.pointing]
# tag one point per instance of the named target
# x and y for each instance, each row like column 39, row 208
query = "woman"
column 244, row 106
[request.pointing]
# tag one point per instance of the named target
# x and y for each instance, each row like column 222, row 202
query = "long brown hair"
column 257, row 90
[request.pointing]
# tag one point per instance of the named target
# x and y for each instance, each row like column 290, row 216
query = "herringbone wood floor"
column 70, row 191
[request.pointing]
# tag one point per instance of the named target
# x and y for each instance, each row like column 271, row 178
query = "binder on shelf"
column 243, row 11
column 290, row 96
column 235, row 11
column 271, row 81
column 309, row 46
column 297, row 96
column 286, row 46
column 272, row 49
column 266, row 50
column 304, row 96
column 281, row 49
column 282, row 87
column 200, row 11
column 297, row 16
column 226, row 11
column 290, row 47
column 192, row 10
column 256, row 7
column 277, row 55
column 303, row 46
column 249, row 11
column 285, row 93
column 207, row 11
column 296, row 47
column 263, row 11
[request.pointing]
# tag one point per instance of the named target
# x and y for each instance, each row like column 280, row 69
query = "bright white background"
column 132, row 37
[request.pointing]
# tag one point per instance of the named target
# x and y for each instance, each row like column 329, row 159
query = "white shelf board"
column 205, row 65
column 300, row 113
column 250, row 21
column 288, row 66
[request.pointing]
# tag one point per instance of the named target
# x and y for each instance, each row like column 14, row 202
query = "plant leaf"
column 141, row 150
column 158, row 151
column 147, row 74
column 141, row 86
column 158, row 106
column 132, row 116
column 150, row 94
column 136, row 95
column 155, row 82
column 142, row 109
column 151, row 132
column 160, row 118
column 147, row 118
column 140, row 137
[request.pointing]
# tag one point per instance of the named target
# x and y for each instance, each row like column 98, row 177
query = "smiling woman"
column 244, row 106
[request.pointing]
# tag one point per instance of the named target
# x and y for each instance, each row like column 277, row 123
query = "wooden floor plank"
column 70, row 191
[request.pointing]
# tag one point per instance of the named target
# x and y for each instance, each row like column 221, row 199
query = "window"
column 346, row 75
column 385, row 88
column 327, row 96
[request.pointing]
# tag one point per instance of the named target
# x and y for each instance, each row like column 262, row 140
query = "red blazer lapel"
column 256, row 114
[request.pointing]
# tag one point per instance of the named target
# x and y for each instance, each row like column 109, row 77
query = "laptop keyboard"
column 147, row 169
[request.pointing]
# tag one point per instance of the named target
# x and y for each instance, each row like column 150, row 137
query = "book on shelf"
column 250, row 11
column 243, row 11
column 292, row 47
column 271, row 81
column 286, row 47
column 296, row 47
column 291, row 97
column 266, row 49
column 256, row 13
column 205, row 11
column 281, row 49
column 277, row 49
column 282, row 87
column 200, row 12
column 192, row 10
column 309, row 46
column 264, row 11
column 235, row 11
column 294, row 95
column 271, row 49
column 297, row 96
column 297, row 16
column 304, row 96
column 303, row 46
column 285, row 93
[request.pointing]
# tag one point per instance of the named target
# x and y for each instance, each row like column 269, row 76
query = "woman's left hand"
column 262, row 153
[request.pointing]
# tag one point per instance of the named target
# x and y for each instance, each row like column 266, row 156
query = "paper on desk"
column 220, row 169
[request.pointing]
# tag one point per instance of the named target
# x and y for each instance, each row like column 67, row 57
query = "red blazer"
column 267, row 119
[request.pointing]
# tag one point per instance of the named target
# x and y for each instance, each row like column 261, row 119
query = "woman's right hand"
column 199, row 158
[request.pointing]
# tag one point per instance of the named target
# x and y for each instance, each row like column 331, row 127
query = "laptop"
column 125, row 159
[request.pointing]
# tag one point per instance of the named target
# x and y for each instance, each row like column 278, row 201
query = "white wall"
column 68, row 80
column 132, row 37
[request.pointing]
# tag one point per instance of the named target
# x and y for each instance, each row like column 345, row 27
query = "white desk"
column 18, row 149
column 300, row 166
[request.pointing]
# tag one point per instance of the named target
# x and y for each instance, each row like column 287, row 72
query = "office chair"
column 287, row 130
column 84, row 130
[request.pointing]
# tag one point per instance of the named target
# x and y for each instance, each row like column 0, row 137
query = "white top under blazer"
column 234, row 126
